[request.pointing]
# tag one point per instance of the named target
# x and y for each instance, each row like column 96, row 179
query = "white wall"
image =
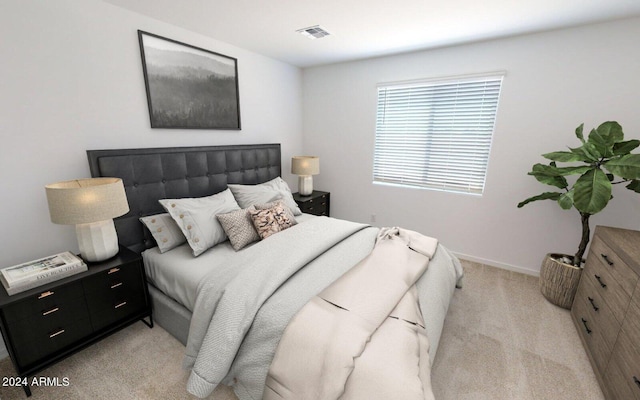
column 72, row 80
column 554, row 82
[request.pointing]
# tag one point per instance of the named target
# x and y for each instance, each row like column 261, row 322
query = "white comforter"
column 363, row 337
column 242, row 309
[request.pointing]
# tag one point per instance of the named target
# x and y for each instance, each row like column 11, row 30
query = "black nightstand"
column 51, row 322
column 317, row 203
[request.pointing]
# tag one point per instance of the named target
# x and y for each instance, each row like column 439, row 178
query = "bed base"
column 170, row 315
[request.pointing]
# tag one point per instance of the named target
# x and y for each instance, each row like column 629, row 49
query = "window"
column 436, row 134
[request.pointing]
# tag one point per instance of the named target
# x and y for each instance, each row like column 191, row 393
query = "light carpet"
column 501, row 340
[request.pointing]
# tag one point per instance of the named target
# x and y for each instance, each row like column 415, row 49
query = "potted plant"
column 604, row 159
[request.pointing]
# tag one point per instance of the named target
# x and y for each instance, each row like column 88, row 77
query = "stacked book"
column 22, row 277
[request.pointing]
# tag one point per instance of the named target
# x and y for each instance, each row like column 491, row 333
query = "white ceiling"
column 367, row 28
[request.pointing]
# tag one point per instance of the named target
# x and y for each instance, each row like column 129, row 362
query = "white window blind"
column 436, row 134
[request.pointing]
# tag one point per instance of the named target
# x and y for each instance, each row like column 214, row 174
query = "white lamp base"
column 98, row 241
column 305, row 185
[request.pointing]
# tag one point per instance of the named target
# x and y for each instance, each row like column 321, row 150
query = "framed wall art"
column 189, row 87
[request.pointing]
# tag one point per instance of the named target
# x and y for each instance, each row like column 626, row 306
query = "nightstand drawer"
column 116, row 309
column 61, row 314
column 314, row 207
column 44, row 344
column 127, row 277
column 42, row 302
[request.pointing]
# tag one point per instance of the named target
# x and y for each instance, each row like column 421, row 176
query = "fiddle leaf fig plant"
column 604, row 159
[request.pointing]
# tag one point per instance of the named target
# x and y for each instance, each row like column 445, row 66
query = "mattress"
column 177, row 273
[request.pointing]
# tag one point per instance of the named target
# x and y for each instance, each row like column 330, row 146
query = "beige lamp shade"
column 90, row 205
column 84, row 201
column 305, row 165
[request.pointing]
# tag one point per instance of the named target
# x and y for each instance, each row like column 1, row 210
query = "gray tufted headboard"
column 160, row 173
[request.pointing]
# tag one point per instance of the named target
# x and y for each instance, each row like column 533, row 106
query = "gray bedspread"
column 243, row 307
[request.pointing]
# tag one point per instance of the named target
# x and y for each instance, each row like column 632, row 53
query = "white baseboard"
column 496, row 264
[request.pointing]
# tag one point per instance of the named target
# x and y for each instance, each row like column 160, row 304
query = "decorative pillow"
column 164, row 230
column 197, row 220
column 248, row 195
column 239, row 227
column 279, row 202
column 270, row 221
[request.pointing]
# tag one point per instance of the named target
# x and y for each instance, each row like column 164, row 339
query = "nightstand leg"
column 27, row 390
column 150, row 323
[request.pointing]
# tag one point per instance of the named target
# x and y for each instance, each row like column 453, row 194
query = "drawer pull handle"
column 637, row 381
column 120, row 305
column 116, row 285
column 584, row 322
column 50, row 311
column 113, row 270
column 604, row 285
column 61, row 331
column 606, row 259
column 592, row 304
column 45, row 294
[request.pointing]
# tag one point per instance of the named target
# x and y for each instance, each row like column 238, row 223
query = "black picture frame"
column 189, row 87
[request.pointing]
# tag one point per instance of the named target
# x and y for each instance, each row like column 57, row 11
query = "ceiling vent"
column 313, row 32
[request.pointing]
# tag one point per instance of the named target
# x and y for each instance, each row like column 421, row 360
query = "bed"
column 175, row 277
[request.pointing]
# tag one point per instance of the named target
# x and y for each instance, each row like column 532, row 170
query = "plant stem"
column 577, row 259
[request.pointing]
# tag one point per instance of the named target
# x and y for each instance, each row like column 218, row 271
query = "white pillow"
column 248, row 195
column 164, row 230
column 196, row 217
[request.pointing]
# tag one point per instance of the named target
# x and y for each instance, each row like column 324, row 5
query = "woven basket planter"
column 559, row 281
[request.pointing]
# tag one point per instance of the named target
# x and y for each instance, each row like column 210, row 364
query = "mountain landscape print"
column 189, row 87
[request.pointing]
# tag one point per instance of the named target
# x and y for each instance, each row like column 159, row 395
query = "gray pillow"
column 239, row 227
column 197, row 220
column 248, row 195
column 164, row 230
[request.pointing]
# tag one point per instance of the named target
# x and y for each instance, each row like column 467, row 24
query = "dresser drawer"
column 597, row 313
column 623, row 373
column 611, row 262
column 42, row 302
column 597, row 338
column 45, row 343
column 606, row 286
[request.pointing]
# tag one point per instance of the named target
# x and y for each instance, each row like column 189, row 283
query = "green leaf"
column 627, row 167
column 548, row 175
column 588, row 152
column 563, row 156
column 612, row 131
column 634, row 185
column 601, row 142
column 592, row 192
column 622, row 148
column 566, row 200
column 574, row 170
column 543, row 196
column 579, row 132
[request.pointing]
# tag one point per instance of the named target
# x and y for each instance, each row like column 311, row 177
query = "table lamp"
column 90, row 205
column 305, row 167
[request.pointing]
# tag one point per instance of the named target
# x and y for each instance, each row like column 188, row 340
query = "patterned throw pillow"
column 270, row 221
column 279, row 202
column 238, row 225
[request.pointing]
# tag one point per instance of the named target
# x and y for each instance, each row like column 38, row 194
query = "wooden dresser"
column 606, row 311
